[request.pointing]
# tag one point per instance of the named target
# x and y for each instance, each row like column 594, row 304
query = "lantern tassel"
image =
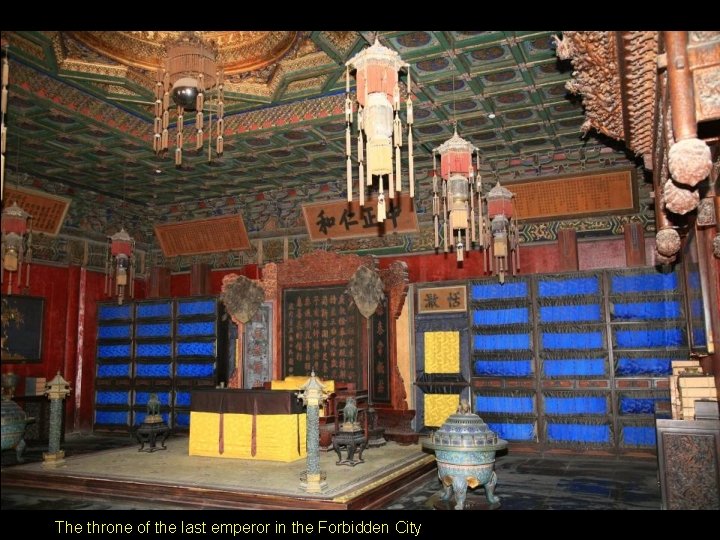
column 361, row 186
column 348, row 170
column 107, row 273
column 381, row 207
column 368, row 167
column 5, row 72
column 411, row 163
column 198, row 140
column 445, row 223
column 131, row 277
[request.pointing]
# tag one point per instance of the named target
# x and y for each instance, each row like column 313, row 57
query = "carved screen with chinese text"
column 322, row 332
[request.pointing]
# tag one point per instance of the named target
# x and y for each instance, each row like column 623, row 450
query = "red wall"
column 180, row 283
column 534, row 259
column 69, row 334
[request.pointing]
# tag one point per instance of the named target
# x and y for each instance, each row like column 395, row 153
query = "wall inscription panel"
column 605, row 193
column 212, row 235
column 48, row 211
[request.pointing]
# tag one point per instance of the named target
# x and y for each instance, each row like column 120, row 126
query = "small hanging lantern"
column 16, row 244
column 120, row 266
column 457, row 194
column 378, row 124
column 505, row 240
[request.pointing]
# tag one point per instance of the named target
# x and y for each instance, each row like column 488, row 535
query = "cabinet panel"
column 572, row 360
column 158, row 346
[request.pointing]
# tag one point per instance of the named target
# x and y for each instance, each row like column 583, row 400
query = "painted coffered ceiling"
column 80, row 110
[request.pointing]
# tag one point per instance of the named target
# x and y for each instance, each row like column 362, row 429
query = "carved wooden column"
column 634, row 244
column 159, row 283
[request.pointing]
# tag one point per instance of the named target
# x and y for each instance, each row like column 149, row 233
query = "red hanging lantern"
column 379, row 125
column 457, row 194
column 16, row 244
column 505, row 239
column 120, row 266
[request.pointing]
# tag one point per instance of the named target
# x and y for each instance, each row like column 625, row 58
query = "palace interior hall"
column 345, row 270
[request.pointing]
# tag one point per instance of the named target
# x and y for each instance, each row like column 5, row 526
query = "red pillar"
column 567, row 245
column 70, row 366
column 83, row 390
column 634, row 244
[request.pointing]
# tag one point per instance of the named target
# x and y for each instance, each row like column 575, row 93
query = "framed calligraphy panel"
column 210, row 235
column 339, row 220
column 322, row 332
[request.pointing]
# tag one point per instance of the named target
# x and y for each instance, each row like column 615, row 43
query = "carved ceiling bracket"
column 616, row 74
column 638, row 51
column 596, row 78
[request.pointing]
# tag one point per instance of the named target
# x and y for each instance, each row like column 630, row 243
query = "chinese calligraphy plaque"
column 342, row 220
column 442, row 299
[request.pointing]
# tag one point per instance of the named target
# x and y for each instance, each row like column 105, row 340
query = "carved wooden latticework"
column 320, row 267
column 616, row 74
column 269, row 281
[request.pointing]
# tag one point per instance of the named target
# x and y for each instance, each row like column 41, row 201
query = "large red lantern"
column 378, row 123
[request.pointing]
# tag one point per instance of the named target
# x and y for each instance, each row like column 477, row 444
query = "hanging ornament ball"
column 667, row 242
column 184, row 93
column 689, row 161
column 679, row 199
